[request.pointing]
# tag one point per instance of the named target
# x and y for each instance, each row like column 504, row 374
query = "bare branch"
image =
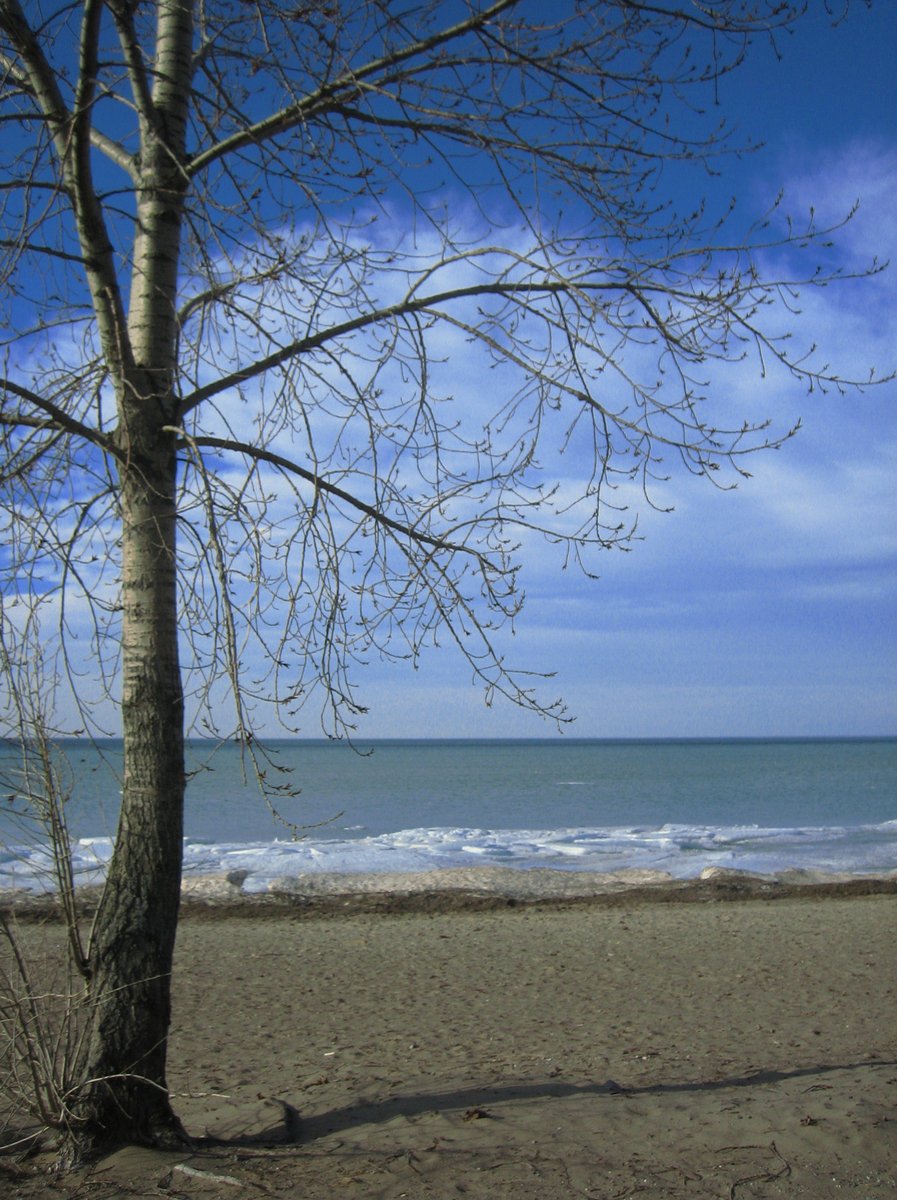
column 114, row 151
column 320, row 484
column 58, row 417
column 341, row 90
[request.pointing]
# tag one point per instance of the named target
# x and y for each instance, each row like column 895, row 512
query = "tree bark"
column 124, row 1094
column 125, row 1097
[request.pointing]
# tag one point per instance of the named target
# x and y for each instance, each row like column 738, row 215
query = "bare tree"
column 243, row 243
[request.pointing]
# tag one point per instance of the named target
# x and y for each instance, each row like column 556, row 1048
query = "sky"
column 770, row 610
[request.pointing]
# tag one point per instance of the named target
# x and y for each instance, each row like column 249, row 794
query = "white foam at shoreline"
column 681, row 852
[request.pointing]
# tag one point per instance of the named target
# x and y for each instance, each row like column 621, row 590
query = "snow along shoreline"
column 477, row 888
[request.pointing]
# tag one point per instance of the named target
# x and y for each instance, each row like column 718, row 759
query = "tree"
column 240, row 241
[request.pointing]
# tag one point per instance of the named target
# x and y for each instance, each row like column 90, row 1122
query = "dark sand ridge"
column 622, row 1047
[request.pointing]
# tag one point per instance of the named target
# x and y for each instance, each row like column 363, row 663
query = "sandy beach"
column 620, row 1048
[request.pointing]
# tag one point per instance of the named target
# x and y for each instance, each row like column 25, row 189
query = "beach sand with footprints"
column 646, row 1043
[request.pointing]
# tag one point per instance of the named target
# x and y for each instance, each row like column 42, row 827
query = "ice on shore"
column 682, row 852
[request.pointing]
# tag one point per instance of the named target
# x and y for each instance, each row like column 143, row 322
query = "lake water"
column 571, row 804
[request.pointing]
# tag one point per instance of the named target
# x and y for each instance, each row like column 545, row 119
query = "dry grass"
column 43, row 1019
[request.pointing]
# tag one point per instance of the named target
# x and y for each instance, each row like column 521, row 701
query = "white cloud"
column 814, row 527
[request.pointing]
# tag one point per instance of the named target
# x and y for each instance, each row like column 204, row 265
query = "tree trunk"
column 124, row 1097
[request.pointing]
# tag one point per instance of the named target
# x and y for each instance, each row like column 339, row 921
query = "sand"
column 621, row 1048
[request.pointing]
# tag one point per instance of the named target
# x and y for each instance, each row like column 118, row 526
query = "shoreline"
column 474, row 889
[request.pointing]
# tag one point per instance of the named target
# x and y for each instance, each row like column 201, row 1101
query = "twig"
column 765, row 1176
column 194, row 1173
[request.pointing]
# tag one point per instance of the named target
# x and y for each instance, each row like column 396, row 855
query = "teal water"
column 535, row 784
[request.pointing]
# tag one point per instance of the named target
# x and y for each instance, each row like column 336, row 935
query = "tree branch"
column 321, row 484
column 71, row 132
column 123, row 16
column 58, row 418
column 114, row 152
column 340, row 90
column 405, row 307
column 50, row 251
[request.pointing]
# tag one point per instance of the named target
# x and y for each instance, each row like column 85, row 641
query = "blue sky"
column 769, row 610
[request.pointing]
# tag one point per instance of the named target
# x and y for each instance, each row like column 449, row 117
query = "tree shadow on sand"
column 296, row 1128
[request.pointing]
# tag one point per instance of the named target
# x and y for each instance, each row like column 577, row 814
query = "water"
column 674, row 805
